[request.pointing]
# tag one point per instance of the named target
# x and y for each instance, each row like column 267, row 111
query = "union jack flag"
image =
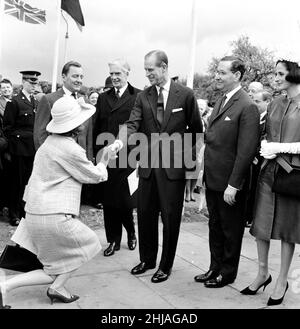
column 24, row 12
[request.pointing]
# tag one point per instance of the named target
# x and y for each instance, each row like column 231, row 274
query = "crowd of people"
column 55, row 144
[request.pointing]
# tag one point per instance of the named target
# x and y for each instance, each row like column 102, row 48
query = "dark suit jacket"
column 110, row 114
column 43, row 117
column 231, row 142
column 18, row 124
column 185, row 118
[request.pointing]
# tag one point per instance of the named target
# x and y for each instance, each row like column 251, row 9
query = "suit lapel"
column 227, row 106
column 171, row 103
column 111, row 99
column 152, row 99
column 122, row 100
column 25, row 99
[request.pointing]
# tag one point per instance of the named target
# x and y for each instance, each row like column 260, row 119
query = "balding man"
column 113, row 109
column 254, row 87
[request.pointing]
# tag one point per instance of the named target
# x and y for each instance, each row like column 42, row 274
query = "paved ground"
column 106, row 282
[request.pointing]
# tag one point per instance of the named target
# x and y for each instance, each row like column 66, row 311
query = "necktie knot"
column 118, row 93
column 73, row 95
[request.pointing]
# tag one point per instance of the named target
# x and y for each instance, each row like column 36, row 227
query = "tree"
column 259, row 63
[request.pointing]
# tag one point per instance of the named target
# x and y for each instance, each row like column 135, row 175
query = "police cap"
column 31, row 76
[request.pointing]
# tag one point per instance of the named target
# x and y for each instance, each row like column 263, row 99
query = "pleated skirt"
column 61, row 242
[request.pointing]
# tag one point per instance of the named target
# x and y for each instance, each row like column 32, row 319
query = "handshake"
column 110, row 151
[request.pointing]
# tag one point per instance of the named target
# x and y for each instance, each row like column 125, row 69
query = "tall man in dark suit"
column 72, row 76
column 113, row 109
column 161, row 110
column 231, row 142
column 18, row 124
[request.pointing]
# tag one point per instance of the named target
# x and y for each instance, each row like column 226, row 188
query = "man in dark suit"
column 72, row 76
column 113, row 109
column 18, row 124
column 231, row 141
column 161, row 111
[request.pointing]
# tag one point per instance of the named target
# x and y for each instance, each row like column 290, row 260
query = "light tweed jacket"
column 59, row 170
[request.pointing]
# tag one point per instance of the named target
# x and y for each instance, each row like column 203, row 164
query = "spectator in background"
column 108, row 85
column 93, row 97
column 254, row 87
column 6, row 91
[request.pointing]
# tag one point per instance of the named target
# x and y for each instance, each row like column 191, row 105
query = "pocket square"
column 177, row 110
column 227, row 119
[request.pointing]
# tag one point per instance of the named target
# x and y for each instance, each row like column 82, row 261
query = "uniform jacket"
column 181, row 116
column 110, row 114
column 43, row 117
column 231, row 140
column 18, row 122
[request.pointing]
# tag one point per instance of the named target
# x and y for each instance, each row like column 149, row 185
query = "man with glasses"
column 18, row 124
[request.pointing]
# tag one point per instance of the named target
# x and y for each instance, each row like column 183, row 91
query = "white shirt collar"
column 122, row 90
column 27, row 95
column 67, row 91
column 232, row 92
column 166, row 86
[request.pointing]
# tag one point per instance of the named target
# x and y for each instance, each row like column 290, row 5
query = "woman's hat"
column 68, row 113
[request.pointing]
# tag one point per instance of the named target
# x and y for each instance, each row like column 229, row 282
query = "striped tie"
column 160, row 106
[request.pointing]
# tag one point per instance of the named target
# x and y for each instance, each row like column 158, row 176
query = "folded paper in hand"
column 133, row 182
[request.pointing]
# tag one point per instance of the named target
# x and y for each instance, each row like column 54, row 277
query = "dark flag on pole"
column 24, row 12
column 72, row 7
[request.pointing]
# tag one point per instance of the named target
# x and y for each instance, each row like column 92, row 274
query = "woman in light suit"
column 277, row 216
column 51, row 229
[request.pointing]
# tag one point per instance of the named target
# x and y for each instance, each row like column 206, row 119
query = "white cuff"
column 292, row 148
column 103, row 171
column 233, row 187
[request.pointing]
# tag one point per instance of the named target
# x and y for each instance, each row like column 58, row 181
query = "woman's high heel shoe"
column 53, row 294
column 248, row 291
column 1, row 301
column 272, row 301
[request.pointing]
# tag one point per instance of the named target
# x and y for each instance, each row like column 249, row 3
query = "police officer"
column 18, row 123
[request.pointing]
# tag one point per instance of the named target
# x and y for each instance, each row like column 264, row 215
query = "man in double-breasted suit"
column 231, row 142
column 72, row 76
column 113, row 109
column 18, row 124
column 162, row 114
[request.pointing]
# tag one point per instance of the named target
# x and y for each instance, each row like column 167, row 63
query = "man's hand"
column 229, row 195
column 112, row 150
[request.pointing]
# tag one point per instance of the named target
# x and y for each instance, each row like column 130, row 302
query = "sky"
column 130, row 29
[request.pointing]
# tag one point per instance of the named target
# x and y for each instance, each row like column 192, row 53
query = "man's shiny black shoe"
column 217, row 282
column 142, row 268
column 132, row 241
column 206, row 276
column 160, row 276
column 110, row 250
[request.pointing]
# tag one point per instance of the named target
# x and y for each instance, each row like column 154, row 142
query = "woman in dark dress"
column 277, row 216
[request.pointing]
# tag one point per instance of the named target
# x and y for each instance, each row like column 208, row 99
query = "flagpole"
column 1, row 33
column 190, row 77
column 56, row 49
